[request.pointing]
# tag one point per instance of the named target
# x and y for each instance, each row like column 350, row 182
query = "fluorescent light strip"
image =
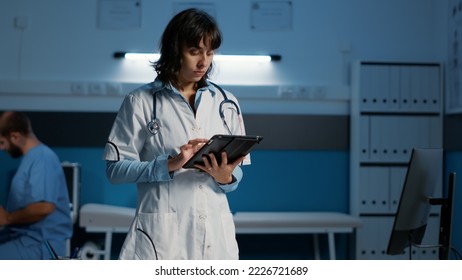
column 242, row 58
column 142, row 56
column 217, row 57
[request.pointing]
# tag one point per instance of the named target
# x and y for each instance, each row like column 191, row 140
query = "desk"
column 107, row 219
column 315, row 223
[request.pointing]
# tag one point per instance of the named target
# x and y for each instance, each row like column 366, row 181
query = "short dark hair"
column 187, row 28
column 14, row 122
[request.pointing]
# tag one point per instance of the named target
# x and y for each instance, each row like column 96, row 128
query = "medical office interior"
column 326, row 102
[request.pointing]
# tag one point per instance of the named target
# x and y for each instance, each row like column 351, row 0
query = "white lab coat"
column 184, row 215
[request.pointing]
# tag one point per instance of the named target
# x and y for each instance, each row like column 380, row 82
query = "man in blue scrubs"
column 37, row 208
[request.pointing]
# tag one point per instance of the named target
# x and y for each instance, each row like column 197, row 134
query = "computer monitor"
column 447, row 205
column 423, row 178
column 72, row 175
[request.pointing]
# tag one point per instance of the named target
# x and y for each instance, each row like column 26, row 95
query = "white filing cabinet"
column 395, row 107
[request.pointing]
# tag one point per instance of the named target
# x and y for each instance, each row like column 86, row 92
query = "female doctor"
column 181, row 213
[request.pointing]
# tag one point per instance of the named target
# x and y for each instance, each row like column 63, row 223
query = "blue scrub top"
column 39, row 178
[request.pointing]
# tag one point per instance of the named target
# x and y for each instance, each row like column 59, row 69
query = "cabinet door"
column 391, row 139
column 397, row 178
column 394, row 94
column 430, row 98
column 380, row 130
column 374, row 87
column 405, row 88
column 434, row 92
column 374, row 190
column 373, row 237
column 364, row 145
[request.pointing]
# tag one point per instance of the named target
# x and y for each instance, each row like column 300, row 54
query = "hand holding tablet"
column 235, row 146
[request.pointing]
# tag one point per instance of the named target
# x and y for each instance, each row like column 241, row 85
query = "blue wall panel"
column 294, row 181
column 277, row 180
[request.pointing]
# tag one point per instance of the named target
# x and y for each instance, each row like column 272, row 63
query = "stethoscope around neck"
column 153, row 126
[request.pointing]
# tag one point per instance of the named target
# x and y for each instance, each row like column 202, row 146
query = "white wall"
column 61, row 47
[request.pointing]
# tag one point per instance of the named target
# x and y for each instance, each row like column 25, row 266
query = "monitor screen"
column 423, row 178
column 72, row 175
column 447, row 205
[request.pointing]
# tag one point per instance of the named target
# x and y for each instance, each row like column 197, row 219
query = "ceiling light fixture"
column 217, row 57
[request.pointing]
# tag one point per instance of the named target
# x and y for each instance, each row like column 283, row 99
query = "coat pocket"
column 156, row 236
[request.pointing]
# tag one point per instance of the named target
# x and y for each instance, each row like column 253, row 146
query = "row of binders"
column 380, row 189
column 374, row 235
column 390, row 139
column 400, row 88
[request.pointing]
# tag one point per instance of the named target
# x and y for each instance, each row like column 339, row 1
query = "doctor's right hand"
column 186, row 152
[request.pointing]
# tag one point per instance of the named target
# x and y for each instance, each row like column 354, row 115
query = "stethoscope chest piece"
column 153, row 127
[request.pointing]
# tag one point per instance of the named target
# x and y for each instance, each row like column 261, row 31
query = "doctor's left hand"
column 223, row 172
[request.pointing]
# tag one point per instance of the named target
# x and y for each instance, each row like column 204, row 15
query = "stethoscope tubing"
column 153, row 126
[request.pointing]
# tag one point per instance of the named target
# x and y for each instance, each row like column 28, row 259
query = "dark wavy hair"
column 186, row 29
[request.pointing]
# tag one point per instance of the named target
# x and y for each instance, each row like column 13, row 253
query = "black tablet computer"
column 235, row 146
